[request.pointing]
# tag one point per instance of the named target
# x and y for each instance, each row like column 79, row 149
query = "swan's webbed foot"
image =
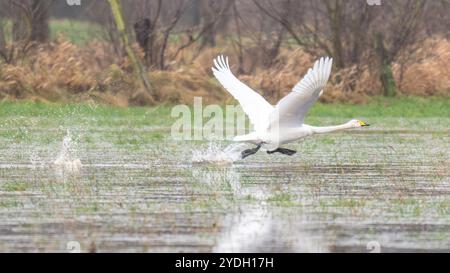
column 283, row 151
column 249, row 152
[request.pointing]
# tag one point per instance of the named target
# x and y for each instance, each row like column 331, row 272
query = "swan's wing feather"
column 292, row 109
column 254, row 105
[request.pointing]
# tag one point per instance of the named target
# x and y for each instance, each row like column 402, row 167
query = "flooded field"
column 124, row 185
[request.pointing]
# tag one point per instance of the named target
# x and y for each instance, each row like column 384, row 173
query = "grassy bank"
column 402, row 107
column 407, row 107
column 78, row 32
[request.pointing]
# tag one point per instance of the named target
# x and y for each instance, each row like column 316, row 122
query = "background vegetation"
column 50, row 51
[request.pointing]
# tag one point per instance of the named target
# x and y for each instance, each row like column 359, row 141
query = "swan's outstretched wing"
column 292, row 109
column 254, row 105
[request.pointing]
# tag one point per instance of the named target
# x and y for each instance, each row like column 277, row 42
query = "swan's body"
column 282, row 123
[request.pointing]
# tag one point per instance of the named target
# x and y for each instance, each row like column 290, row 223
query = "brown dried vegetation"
column 62, row 71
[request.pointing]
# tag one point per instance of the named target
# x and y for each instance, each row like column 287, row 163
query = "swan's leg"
column 249, row 152
column 283, row 151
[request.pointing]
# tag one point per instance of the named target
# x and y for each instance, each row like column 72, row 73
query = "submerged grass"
column 15, row 186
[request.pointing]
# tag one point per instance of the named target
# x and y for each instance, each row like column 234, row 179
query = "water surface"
column 139, row 190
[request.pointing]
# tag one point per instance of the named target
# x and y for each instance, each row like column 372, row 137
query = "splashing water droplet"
column 36, row 161
column 67, row 160
column 216, row 155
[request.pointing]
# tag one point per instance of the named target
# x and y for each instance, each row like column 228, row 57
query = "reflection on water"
column 339, row 193
column 255, row 227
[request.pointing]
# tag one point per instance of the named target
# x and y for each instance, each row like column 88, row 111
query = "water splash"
column 67, row 160
column 36, row 161
column 216, row 155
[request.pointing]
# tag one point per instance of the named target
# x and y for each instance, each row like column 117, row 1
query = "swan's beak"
column 362, row 123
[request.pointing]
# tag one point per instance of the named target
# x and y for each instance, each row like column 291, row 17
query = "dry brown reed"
column 62, row 71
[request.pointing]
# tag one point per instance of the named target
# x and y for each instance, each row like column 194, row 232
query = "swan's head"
column 355, row 123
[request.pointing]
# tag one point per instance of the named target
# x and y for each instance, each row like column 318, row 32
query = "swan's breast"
column 275, row 138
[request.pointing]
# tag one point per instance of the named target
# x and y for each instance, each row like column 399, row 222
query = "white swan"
column 283, row 123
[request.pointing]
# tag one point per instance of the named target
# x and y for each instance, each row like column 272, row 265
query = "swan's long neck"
column 329, row 129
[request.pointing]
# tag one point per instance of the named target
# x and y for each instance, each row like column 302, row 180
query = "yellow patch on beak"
column 362, row 123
